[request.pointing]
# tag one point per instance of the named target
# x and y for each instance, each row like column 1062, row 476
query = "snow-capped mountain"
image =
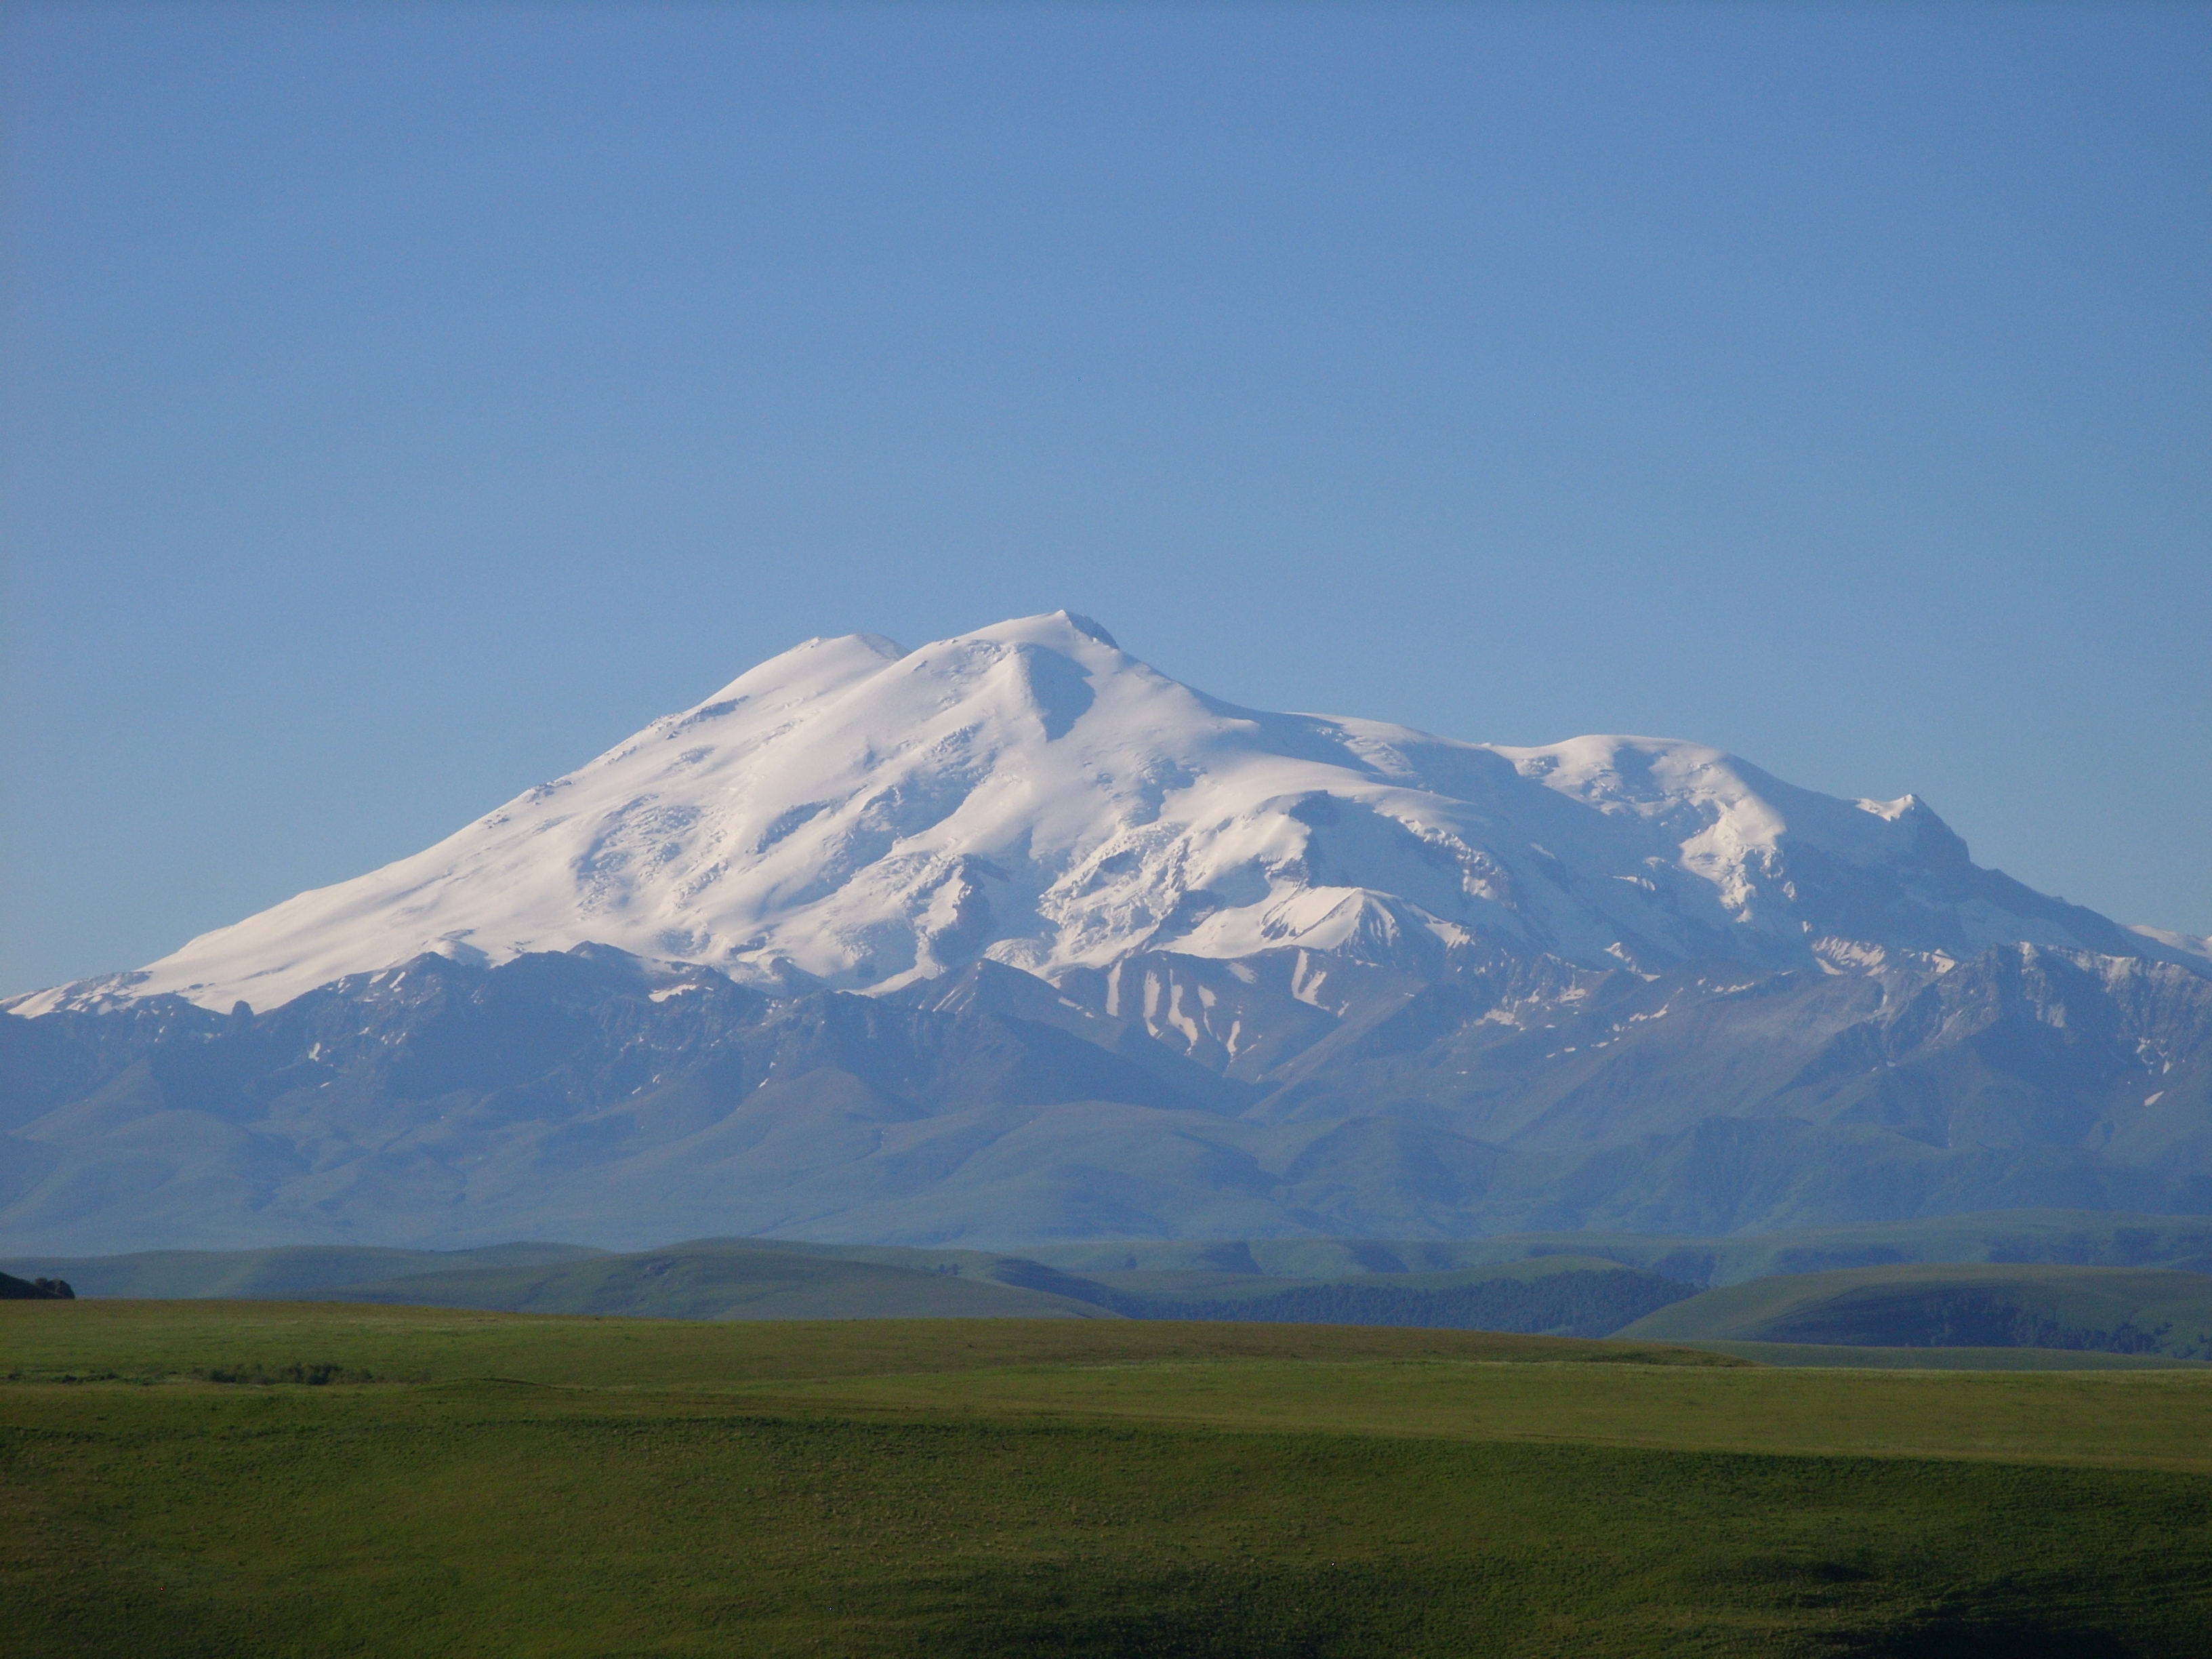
column 855, row 816
column 1013, row 938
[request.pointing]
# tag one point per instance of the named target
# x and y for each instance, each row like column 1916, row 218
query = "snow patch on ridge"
column 2190, row 949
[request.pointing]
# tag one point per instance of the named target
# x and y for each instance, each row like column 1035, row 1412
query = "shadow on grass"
column 1325, row 1614
column 1966, row 1636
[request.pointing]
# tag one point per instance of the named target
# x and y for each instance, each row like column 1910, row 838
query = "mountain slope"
column 1014, row 938
column 447, row 1103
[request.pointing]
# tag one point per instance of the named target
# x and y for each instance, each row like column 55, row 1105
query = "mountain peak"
column 1055, row 630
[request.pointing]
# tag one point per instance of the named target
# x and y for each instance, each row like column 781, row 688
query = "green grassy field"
column 563, row 1486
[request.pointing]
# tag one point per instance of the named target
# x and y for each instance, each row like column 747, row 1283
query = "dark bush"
column 13, row 1288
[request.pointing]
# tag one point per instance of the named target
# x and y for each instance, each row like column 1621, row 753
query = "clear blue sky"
column 405, row 402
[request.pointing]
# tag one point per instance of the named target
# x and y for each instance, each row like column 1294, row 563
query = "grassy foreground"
column 600, row 1487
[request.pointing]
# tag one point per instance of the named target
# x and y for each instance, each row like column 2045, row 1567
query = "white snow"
column 864, row 816
column 2190, row 948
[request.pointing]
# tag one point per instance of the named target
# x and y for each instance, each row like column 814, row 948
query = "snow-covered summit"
column 855, row 815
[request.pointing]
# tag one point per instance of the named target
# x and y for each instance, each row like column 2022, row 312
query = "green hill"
column 731, row 1279
column 1559, row 1295
column 1938, row 1305
column 284, row 1271
column 778, row 1279
column 1562, row 1296
column 1572, row 1284
column 2066, row 1237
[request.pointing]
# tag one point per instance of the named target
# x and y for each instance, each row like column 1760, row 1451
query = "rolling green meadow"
column 517, row 1484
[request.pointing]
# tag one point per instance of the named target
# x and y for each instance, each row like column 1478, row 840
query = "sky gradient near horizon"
column 405, row 403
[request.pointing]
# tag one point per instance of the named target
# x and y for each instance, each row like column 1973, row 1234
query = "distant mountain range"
column 1013, row 939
